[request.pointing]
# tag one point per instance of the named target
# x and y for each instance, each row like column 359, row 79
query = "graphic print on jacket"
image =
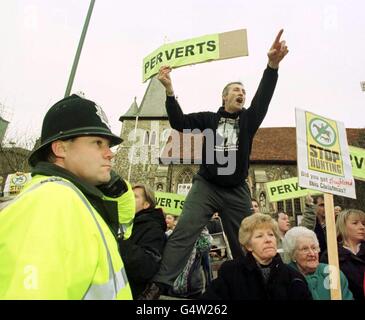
column 227, row 135
column 226, row 145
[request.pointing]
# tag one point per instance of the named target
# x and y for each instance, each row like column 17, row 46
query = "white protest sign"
column 15, row 182
column 323, row 155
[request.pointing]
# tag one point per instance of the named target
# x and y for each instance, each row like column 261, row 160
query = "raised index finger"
column 277, row 39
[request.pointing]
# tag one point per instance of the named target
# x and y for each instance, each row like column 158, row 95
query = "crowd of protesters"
column 80, row 231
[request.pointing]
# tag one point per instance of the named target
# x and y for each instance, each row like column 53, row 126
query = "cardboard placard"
column 217, row 46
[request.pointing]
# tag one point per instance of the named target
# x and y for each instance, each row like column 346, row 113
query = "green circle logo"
column 322, row 132
column 19, row 180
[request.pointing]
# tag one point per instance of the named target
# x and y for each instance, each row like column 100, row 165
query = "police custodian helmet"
column 71, row 117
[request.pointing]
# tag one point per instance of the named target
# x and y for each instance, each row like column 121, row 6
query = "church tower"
column 145, row 130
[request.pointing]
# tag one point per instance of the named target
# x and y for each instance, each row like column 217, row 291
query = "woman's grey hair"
column 290, row 241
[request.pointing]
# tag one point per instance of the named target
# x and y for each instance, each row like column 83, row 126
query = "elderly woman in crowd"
column 260, row 274
column 350, row 225
column 301, row 248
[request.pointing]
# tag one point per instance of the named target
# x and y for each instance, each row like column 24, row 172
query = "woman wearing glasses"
column 301, row 248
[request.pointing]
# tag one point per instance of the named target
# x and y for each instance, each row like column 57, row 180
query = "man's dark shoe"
column 152, row 292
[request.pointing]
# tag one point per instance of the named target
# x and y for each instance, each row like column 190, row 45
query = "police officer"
column 57, row 239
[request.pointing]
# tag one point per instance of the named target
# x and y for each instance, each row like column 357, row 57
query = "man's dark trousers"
column 204, row 198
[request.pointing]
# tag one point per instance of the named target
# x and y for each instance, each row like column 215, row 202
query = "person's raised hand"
column 165, row 79
column 277, row 51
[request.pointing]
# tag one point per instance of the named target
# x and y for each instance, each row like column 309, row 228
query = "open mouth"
column 239, row 100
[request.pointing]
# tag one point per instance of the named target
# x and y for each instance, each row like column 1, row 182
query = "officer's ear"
column 59, row 148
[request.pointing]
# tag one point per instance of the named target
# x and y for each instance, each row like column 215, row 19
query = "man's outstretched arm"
column 262, row 98
column 178, row 120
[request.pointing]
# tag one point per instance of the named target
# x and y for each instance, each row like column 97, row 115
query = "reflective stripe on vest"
column 124, row 226
column 118, row 280
column 107, row 291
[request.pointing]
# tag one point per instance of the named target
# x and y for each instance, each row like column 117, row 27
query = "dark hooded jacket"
column 142, row 252
column 242, row 279
column 353, row 266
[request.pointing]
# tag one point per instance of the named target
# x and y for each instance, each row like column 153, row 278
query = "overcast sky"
column 321, row 73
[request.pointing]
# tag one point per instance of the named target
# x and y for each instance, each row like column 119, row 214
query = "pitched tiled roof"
column 274, row 144
column 269, row 145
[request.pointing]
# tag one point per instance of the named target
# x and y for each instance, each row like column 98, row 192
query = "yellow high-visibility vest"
column 126, row 210
column 55, row 245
